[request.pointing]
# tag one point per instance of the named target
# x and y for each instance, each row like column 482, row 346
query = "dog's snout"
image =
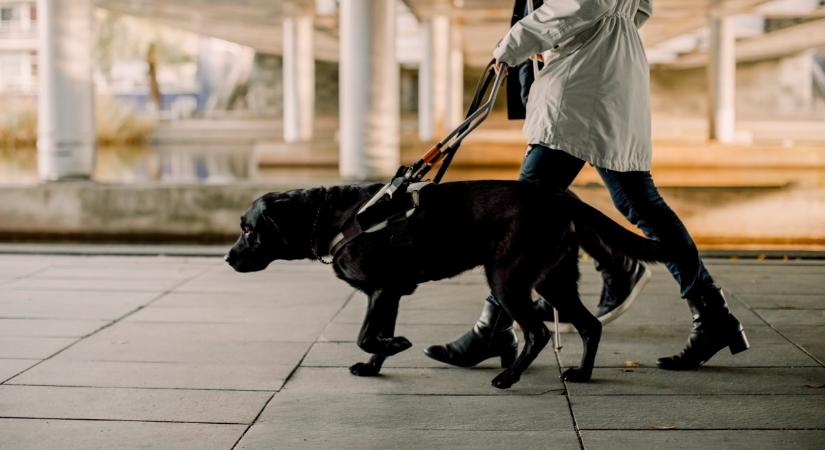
column 231, row 256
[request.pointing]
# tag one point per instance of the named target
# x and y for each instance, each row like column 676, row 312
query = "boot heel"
column 508, row 358
column 739, row 343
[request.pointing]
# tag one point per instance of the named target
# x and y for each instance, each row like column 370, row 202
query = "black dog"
column 523, row 235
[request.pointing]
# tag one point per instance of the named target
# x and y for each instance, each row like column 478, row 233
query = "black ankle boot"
column 714, row 328
column 492, row 336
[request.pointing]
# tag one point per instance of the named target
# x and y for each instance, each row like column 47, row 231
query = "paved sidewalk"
column 181, row 352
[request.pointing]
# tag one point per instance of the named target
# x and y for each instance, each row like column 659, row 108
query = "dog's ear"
column 273, row 227
column 279, row 213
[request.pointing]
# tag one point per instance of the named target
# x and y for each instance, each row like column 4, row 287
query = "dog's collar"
column 312, row 243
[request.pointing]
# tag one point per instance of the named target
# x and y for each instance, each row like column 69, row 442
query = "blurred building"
column 359, row 66
column 18, row 45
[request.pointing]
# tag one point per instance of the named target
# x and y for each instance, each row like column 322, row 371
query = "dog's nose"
column 226, row 257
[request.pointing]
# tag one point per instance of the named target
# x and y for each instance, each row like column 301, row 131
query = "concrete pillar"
column 455, row 97
column 369, row 93
column 66, row 130
column 795, row 96
column 433, row 77
column 722, row 78
column 425, row 85
column 25, row 17
column 299, row 78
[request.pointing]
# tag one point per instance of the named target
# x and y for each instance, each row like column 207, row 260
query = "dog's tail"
column 590, row 222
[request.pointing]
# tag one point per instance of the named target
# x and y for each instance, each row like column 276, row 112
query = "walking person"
column 590, row 104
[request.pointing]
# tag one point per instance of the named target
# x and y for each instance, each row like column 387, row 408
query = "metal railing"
column 16, row 30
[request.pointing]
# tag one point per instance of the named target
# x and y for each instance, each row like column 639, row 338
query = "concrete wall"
column 775, row 89
column 265, row 90
column 103, row 213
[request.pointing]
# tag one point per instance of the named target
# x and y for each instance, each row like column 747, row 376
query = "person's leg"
column 714, row 327
column 553, row 168
column 635, row 195
column 493, row 335
column 623, row 276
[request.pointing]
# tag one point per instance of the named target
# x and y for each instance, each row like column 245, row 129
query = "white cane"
column 556, row 334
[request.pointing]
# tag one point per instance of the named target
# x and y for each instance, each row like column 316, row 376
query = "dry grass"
column 116, row 122
column 18, row 122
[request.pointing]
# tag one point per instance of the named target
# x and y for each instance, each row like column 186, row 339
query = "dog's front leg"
column 377, row 331
column 369, row 368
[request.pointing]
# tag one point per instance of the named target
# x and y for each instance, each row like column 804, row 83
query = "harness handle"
column 481, row 87
column 476, row 114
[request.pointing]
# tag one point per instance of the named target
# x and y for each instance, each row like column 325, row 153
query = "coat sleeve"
column 643, row 13
column 554, row 22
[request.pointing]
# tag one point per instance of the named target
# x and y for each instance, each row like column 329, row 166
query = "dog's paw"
column 364, row 369
column 506, row 379
column 576, row 375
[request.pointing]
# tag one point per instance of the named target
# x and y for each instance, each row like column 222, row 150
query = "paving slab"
column 421, row 335
column 12, row 267
column 218, row 345
column 423, row 381
column 32, row 347
column 81, row 305
column 133, row 330
column 118, row 270
column 39, row 434
column 445, row 295
column 773, row 273
column 160, row 350
column 90, row 258
column 273, row 315
column 422, row 412
column 702, row 439
column 180, row 405
column 48, row 327
column 744, row 264
column 785, row 301
column 705, row 381
column 769, row 282
column 345, row 354
column 794, row 317
column 11, row 367
column 466, row 315
column 275, row 283
column 95, row 284
column 624, row 344
column 267, row 282
column 60, row 372
column 232, row 299
column 269, row 436
column 810, row 338
column 640, row 412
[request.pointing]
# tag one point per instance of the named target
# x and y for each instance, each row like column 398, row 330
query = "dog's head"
column 273, row 227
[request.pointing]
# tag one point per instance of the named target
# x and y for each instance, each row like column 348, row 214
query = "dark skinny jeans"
column 636, row 197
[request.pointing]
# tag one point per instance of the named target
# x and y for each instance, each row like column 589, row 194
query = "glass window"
column 10, row 71
column 6, row 14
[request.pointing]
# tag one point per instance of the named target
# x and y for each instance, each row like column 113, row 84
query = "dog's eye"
column 246, row 231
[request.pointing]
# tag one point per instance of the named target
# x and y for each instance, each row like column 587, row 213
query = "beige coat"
column 591, row 99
